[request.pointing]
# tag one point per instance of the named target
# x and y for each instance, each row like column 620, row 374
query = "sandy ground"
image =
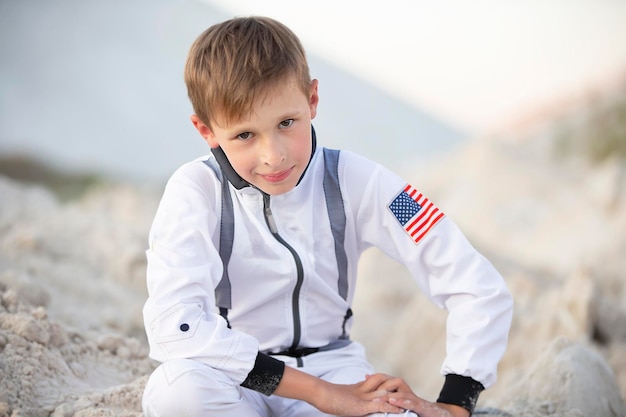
column 72, row 286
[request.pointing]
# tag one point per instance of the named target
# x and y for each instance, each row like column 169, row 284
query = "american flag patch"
column 415, row 213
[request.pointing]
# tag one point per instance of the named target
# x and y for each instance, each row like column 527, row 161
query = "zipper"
column 295, row 300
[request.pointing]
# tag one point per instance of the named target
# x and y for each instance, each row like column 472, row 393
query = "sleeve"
column 409, row 228
column 183, row 267
column 266, row 374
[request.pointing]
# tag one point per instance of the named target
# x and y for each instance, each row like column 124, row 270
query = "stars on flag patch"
column 415, row 213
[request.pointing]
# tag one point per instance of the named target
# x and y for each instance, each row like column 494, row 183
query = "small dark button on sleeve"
column 184, row 327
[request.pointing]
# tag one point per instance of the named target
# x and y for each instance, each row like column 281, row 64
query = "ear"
column 204, row 131
column 313, row 98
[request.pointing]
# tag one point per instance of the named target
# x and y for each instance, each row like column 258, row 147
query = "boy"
column 254, row 249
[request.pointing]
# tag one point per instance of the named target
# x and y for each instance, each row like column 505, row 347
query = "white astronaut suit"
column 242, row 283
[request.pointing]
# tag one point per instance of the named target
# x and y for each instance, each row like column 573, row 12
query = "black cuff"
column 460, row 390
column 266, row 374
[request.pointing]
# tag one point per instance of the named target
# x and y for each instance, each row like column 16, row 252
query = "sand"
column 72, row 286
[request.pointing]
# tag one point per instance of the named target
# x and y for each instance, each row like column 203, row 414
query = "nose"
column 272, row 150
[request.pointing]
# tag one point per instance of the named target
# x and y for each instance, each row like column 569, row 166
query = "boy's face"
column 271, row 147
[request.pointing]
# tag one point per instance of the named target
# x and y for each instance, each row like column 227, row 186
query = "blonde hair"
column 232, row 63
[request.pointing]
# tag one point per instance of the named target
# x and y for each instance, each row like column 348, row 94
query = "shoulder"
column 199, row 177
column 350, row 163
column 202, row 170
column 360, row 178
column 358, row 169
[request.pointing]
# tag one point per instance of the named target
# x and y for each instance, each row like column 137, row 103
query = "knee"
column 186, row 387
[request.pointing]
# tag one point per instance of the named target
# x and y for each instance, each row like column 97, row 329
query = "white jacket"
column 271, row 308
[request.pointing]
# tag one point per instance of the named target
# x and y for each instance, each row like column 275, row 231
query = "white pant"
column 190, row 388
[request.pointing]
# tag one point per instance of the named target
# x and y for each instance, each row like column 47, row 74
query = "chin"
column 277, row 189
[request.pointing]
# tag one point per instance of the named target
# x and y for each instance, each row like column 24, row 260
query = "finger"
column 406, row 404
column 374, row 394
column 420, row 406
column 382, row 406
column 394, row 384
column 373, row 382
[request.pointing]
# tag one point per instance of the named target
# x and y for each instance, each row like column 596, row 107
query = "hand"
column 340, row 400
column 358, row 399
column 401, row 396
column 425, row 408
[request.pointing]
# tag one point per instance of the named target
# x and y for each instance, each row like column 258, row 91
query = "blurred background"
column 97, row 86
column 509, row 114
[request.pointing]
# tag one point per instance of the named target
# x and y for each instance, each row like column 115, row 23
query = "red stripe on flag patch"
column 425, row 214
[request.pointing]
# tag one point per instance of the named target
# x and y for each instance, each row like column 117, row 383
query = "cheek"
column 305, row 148
column 242, row 163
column 301, row 144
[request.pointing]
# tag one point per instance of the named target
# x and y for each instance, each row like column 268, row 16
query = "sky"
column 98, row 86
column 477, row 64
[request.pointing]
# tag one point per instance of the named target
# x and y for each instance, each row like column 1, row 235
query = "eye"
column 285, row 123
column 244, row 136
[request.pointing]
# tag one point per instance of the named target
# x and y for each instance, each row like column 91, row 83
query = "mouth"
column 277, row 177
